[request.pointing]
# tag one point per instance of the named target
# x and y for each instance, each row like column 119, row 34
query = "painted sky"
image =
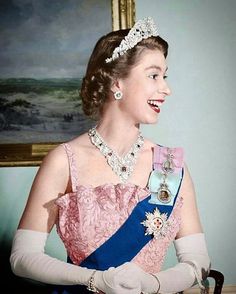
column 50, row 38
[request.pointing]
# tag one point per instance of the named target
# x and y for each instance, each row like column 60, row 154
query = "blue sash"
column 126, row 243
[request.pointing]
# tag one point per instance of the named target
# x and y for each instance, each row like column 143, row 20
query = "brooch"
column 156, row 223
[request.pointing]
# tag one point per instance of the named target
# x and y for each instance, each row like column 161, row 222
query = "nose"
column 164, row 88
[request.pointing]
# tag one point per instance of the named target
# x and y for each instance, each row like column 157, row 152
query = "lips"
column 155, row 104
column 155, row 108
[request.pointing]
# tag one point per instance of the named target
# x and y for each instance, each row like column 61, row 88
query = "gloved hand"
column 130, row 276
column 113, row 281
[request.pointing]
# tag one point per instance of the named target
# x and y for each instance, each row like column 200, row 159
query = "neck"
column 118, row 134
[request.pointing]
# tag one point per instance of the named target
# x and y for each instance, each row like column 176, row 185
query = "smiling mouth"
column 154, row 105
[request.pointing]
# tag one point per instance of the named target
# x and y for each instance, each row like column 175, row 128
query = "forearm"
column 176, row 279
column 193, row 266
column 29, row 260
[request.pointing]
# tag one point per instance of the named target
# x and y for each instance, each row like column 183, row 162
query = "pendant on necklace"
column 122, row 166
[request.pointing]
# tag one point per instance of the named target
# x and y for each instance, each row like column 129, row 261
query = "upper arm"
column 51, row 181
column 190, row 220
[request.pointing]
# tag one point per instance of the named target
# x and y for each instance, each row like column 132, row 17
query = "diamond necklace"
column 122, row 166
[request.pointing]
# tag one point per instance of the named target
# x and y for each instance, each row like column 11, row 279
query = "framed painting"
column 44, row 49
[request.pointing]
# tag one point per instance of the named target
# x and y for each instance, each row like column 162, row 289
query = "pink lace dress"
column 88, row 216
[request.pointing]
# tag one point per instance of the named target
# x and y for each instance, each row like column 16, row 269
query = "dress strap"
column 72, row 165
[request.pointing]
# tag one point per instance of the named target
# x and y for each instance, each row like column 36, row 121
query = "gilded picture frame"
column 31, row 154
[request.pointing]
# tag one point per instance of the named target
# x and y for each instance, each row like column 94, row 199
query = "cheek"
column 130, row 94
column 139, row 90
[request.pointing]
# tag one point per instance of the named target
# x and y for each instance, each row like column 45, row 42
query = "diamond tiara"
column 142, row 29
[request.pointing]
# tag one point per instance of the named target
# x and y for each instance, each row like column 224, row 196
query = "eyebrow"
column 155, row 67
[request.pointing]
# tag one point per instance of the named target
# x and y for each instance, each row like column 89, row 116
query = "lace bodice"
column 88, row 216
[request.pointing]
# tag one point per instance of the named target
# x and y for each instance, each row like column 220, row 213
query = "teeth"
column 153, row 102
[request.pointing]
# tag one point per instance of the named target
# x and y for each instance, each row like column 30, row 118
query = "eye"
column 153, row 76
column 165, row 77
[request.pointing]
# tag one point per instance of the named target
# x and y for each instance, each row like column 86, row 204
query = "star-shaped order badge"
column 156, row 223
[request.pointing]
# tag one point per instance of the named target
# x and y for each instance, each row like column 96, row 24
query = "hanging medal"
column 162, row 194
column 164, row 183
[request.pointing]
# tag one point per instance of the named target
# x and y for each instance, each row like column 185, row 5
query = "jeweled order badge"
column 156, row 223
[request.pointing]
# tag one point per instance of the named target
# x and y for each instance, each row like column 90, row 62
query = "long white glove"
column 28, row 260
column 193, row 265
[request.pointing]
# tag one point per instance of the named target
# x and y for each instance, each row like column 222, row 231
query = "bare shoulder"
column 49, row 183
column 82, row 148
column 148, row 144
column 54, row 168
column 187, row 187
column 56, row 161
column 81, row 142
column 55, row 158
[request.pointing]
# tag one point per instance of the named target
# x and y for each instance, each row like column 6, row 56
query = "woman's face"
column 145, row 89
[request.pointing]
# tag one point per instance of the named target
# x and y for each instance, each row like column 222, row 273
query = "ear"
column 115, row 86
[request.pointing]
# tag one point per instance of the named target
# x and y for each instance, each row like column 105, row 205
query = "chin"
column 150, row 121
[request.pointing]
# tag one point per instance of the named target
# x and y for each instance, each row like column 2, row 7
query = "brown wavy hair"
column 100, row 75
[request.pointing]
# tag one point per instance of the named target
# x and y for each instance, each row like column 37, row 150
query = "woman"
column 118, row 200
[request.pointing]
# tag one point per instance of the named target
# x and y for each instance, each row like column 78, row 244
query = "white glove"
column 28, row 260
column 130, row 272
column 193, row 260
column 113, row 279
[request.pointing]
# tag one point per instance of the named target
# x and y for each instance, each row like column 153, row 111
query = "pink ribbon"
column 161, row 155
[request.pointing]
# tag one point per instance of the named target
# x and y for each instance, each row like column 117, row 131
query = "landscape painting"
column 41, row 110
column 44, row 48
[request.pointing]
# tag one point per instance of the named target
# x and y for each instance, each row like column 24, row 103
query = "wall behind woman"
column 198, row 116
column 200, row 113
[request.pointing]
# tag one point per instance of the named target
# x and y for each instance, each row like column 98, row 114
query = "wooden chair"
column 218, row 278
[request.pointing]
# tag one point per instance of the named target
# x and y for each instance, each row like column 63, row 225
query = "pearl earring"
column 118, row 95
